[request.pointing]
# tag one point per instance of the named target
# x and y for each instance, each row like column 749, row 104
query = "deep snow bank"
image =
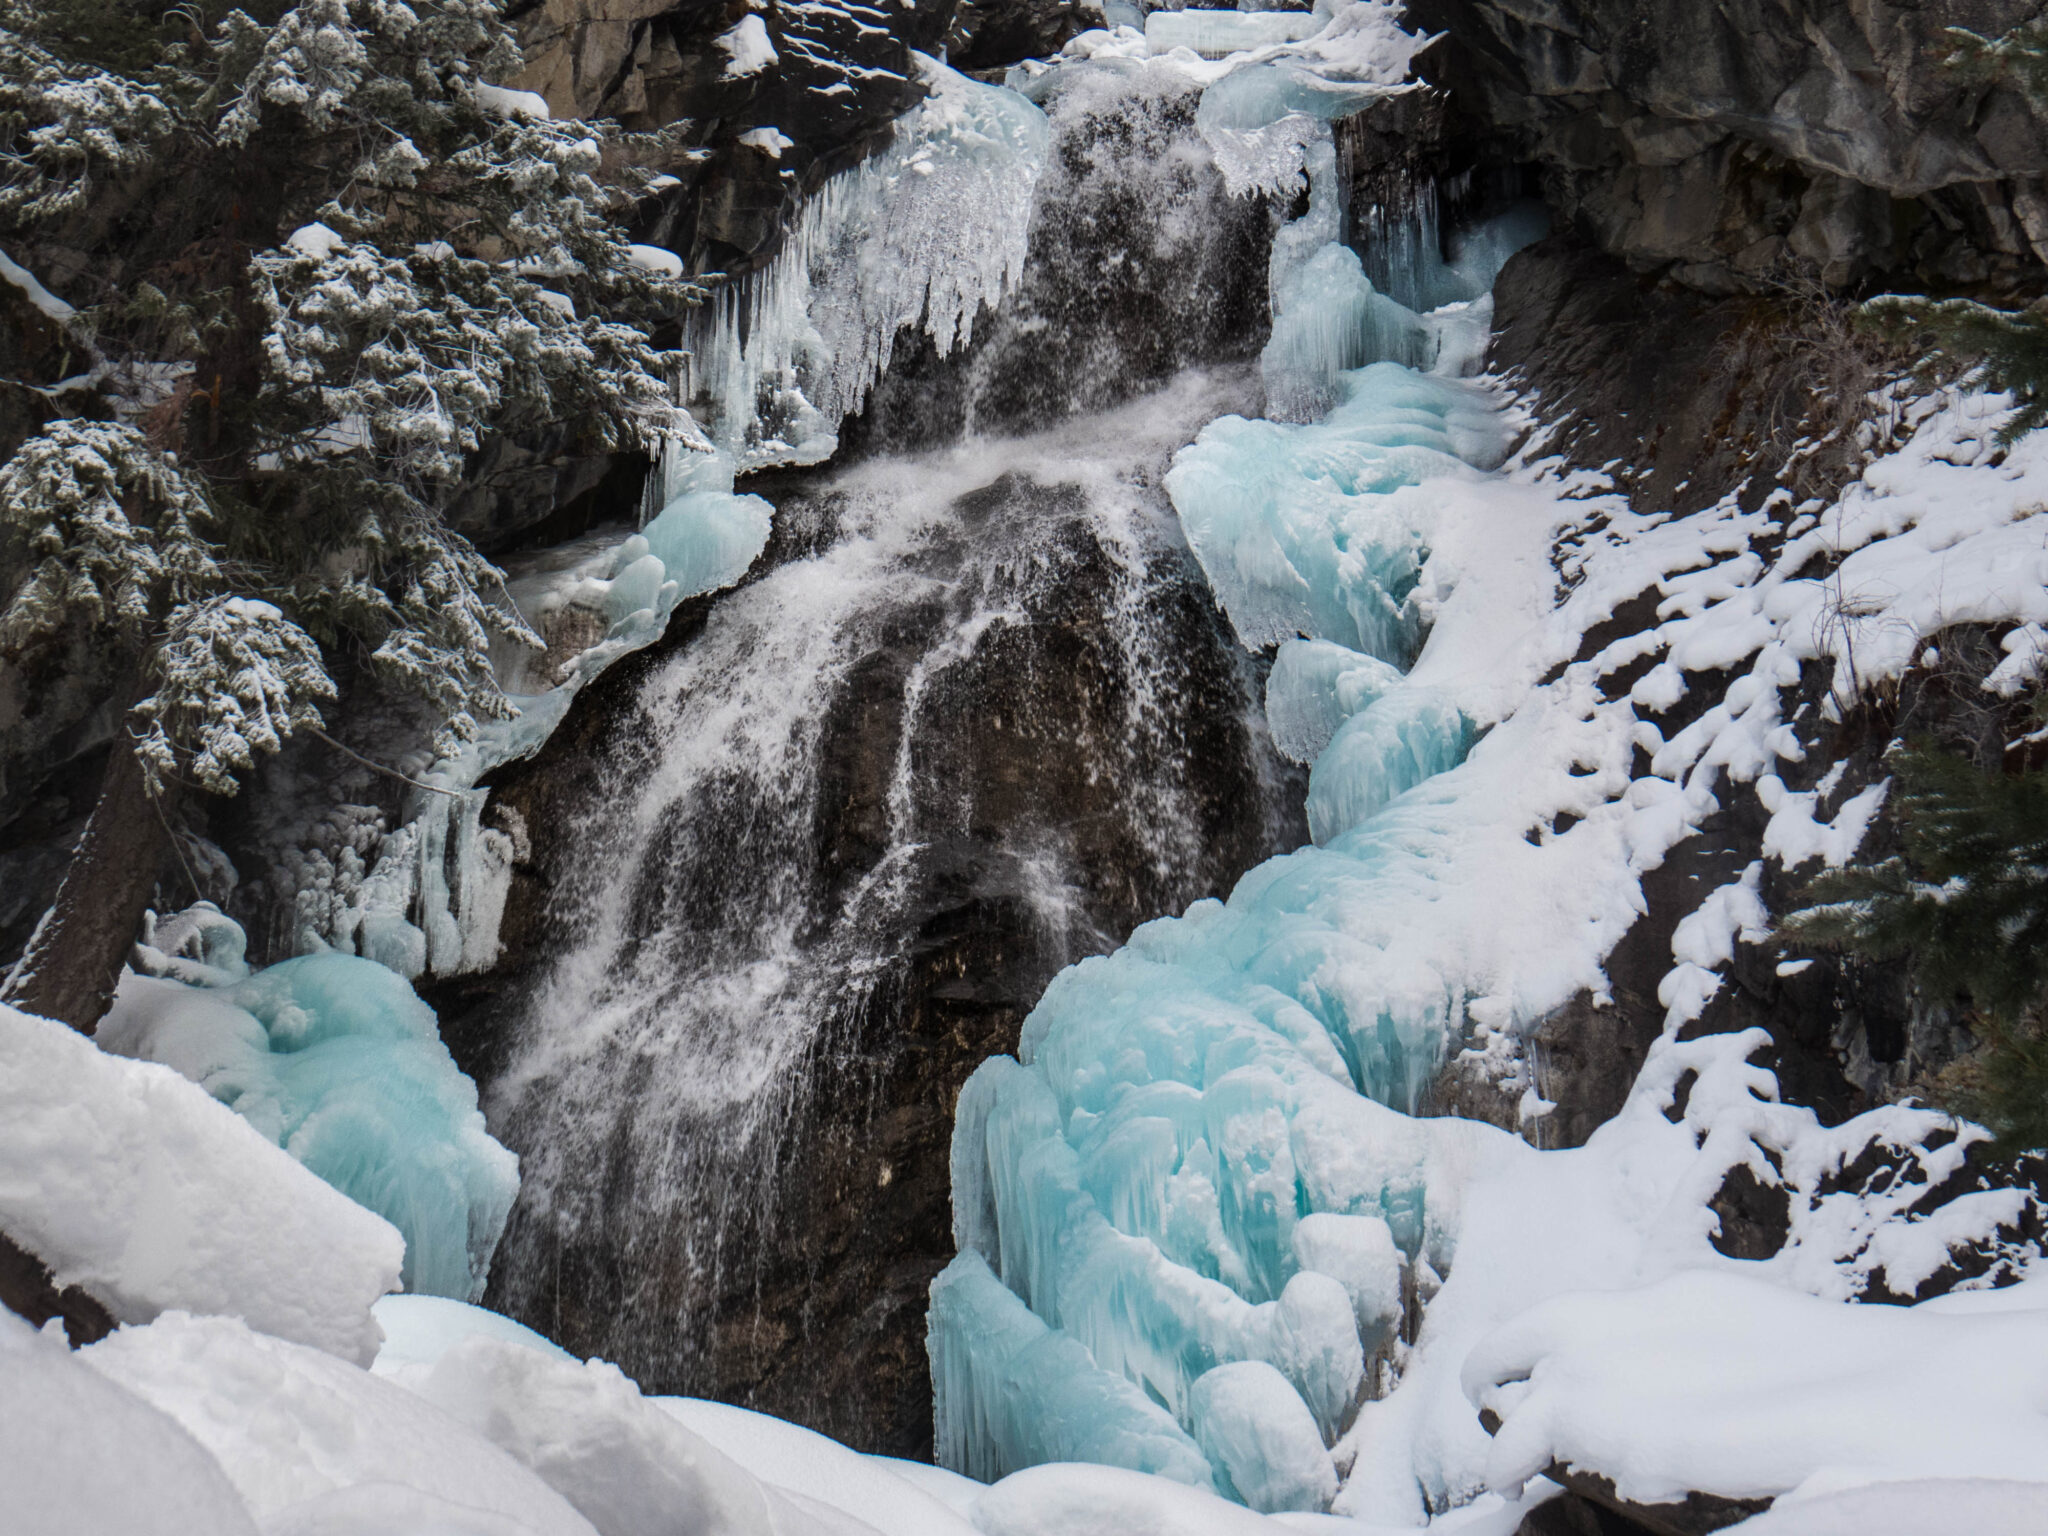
column 127, row 1180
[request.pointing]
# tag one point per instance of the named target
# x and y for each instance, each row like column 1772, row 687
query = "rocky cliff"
column 1722, row 142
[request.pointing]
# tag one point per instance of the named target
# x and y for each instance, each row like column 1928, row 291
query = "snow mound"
column 291, row 1425
column 1929, row 1507
column 1724, row 1384
column 80, row 1454
column 418, row 1330
column 886, row 1494
column 1072, row 1500
column 618, row 1457
column 336, row 1060
column 747, row 48
column 128, row 1180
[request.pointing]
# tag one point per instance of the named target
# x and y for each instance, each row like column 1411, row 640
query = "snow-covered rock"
column 1723, row 1384
column 336, row 1060
column 129, row 1181
column 291, row 1425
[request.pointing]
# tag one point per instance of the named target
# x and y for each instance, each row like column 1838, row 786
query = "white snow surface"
column 41, row 297
column 746, row 47
column 290, row 1424
column 799, row 1460
column 770, row 141
column 314, row 240
column 129, row 1181
column 506, row 102
column 654, row 258
column 1726, row 1384
column 1956, row 1506
column 418, row 1330
column 79, row 1454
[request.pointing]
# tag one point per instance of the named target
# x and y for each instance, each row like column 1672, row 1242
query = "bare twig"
column 404, row 778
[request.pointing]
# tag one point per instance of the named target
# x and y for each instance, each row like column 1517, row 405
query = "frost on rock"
column 336, row 1060
column 924, row 234
column 127, row 1180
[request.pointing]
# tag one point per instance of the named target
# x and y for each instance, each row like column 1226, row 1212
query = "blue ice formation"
column 1297, row 527
column 338, row 1061
column 1189, row 1167
column 1269, row 125
column 703, row 538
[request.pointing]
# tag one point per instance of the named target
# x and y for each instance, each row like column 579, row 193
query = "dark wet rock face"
column 830, row 76
column 1141, row 264
column 746, row 978
column 1727, row 141
column 789, row 878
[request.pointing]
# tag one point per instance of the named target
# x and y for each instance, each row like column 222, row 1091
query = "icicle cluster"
column 924, row 234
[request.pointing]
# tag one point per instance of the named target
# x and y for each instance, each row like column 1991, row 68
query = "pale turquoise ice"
column 338, row 1061
column 1221, row 32
column 1296, row 526
column 1188, row 1167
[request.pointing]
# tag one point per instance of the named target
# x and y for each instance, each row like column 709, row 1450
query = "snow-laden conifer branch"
column 233, row 677
column 109, row 527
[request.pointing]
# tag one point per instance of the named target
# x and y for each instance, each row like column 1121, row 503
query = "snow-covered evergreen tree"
column 2005, row 349
column 1965, row 902
column 333, row 260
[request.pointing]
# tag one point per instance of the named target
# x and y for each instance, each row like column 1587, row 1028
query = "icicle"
column 925, row 233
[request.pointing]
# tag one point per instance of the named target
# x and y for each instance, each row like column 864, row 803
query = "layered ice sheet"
column 336, row 1060
column 1226, row 32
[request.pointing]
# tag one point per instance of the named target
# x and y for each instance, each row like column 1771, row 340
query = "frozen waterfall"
column 839, row 761
column 922, row 236
column 787, row 807
column 1187, row 1171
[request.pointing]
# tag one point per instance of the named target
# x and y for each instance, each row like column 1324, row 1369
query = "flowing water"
column 984, row 680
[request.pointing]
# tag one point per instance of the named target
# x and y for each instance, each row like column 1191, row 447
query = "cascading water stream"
column 978, row 718
column 800, row 789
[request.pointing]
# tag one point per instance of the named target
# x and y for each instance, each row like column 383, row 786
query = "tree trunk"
column 73, row 962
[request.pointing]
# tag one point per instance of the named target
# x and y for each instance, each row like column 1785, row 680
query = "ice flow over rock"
column 336, row 1060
